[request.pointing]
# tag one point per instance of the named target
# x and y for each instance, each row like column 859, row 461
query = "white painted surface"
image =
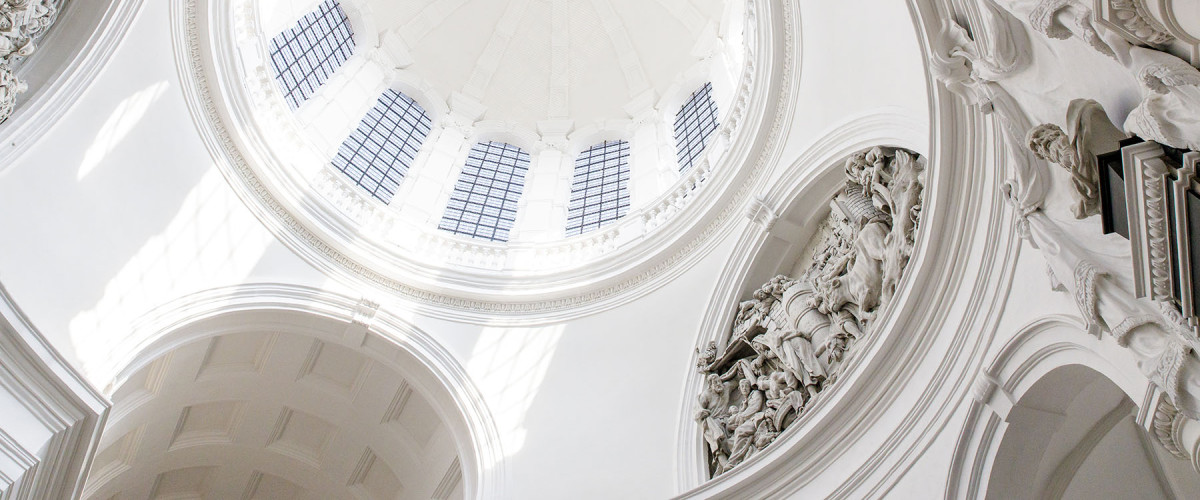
column 119, row 210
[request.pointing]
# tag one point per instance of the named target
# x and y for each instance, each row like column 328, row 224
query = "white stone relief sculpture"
column 22, row 22
column 1080, row 262
column 1089, row 132
column 968, row 69
column 789, row 340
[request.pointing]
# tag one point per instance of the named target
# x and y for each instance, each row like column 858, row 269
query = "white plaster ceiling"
column 532, row 60
column 272, row 416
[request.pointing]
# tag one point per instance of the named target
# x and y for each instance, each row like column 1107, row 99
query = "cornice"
column 73, row 413
column 637, row 272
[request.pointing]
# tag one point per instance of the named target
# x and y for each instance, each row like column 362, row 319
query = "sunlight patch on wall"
column 212, row 241
column 122, row 120
column 509, row 366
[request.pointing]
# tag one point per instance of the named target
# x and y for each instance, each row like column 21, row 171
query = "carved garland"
column 789, row 341
column 22, row 22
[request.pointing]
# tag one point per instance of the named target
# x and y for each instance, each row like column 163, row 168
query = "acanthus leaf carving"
column 789, row 341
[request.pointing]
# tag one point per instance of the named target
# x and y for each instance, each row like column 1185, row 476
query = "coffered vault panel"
column 272, row 415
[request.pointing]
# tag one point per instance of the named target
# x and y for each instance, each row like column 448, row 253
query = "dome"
column 542, row 249
column 495, row 150
column 532, row 61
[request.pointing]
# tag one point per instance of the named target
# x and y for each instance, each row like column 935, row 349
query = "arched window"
column 694, row 123
column 378, row 154
column 484, row 202
column 600, row 189
column 307, row 54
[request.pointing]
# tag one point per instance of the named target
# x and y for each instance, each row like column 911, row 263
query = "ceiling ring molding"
column 332, row 318
column 203, row 33
column 78, row 46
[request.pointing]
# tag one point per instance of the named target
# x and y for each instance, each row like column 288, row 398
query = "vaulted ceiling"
column 532, row 60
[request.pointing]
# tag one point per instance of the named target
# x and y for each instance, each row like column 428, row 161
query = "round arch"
column 1052, row 366
column 330, row 319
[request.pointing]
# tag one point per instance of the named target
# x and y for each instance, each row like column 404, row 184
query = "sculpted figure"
column 795, row 352
column 1169, row 112
column 712, row 402
column 788, row 341
column 9, row 88
column 1089, row 133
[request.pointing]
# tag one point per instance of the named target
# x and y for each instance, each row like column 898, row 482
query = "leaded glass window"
column 378, row 154
column 484, row 202
column 307, row 54
column 600, row 189
column 694, row 124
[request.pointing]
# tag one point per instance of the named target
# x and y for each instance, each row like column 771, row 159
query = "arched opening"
column 1074, row 434
column 266, row 403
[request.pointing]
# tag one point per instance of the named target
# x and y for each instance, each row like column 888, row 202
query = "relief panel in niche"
column 788, row 342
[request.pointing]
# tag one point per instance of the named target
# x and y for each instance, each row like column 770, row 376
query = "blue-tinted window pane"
column 308, row 53
column 599, row 192
column 694, row 123
column 484, row 202
column 378, row 154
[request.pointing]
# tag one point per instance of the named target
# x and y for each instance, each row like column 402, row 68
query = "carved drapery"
column 789, row 341
column 22, row 23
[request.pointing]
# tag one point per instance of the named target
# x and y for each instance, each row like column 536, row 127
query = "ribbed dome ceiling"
column 531, row 60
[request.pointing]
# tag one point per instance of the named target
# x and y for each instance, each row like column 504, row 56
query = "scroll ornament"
column 789, row 342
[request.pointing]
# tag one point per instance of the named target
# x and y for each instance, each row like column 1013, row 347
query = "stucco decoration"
column 1133, row 18
column 22, row 22
column 1089, row 132
column 1095, row 272
column 1169, row 112
column 962, row 61
column 789, row 341
column 9, row 88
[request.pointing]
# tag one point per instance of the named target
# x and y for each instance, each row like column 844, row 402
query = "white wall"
column 120, row 208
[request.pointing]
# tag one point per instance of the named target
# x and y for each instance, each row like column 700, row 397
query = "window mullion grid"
column 307, row 54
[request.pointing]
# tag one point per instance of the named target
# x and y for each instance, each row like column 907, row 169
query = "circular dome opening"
column 519, row 151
